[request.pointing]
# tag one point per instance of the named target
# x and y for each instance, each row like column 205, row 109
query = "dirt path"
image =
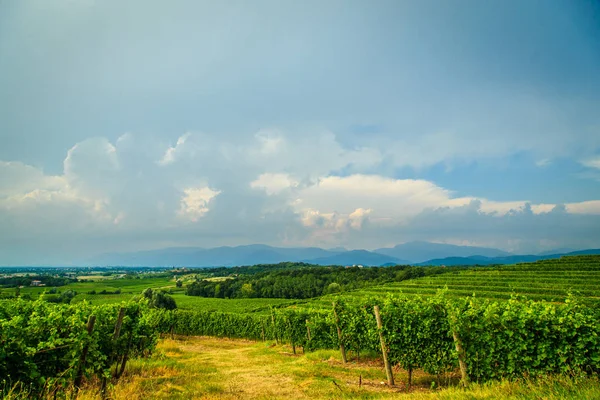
column 210, row 368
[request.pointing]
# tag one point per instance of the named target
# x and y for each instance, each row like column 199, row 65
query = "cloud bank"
column 273, row 188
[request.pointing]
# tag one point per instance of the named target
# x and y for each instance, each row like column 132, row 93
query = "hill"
column 417, row 252
column 213, row 257
column 357, row 257
column 514, row 259
column 407, row 253
column 550, row 279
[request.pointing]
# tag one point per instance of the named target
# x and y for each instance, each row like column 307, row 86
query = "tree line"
column 301, row 281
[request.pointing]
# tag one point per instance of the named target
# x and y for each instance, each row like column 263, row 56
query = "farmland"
column 490, row 320
column 550, row 280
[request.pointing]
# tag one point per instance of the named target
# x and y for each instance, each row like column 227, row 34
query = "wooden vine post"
column 116, row 334
column 291, row 330
column 90, row 327
column 461, row 358
column 274, row 327
column 388, row 367
column 308, row 331
column 340, row 336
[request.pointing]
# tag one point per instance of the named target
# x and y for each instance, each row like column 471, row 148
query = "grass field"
column 209, row 368
column 550, row 280
column 127, row 286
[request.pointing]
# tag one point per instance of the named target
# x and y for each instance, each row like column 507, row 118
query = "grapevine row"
column 499, row 339
column 49, row 348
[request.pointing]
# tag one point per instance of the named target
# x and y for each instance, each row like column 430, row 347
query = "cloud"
column 592, row 163
column 584, row 207
column 359, row 209
column 194, row 204
column 273, row 183
column 19, row 178
column 275, row 187
column 544, row 162
column 171, row 153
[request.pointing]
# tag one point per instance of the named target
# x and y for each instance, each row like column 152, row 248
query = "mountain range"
column 414, row 253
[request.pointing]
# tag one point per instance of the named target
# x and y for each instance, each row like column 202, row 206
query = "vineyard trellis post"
column 292, row 333
column 116, row 334
column 339, row 334
column 90, row 327
column 386, row 363
column 461, row 358
column 274, row 327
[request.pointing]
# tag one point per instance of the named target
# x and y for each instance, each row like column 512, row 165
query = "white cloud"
column 171, row 153
column 584, row 207
column 270, row 141
column 544, row 162
column 272, row 188
column 273, row 183
column 386, row 197
column 18, row 178
column 335, row 204
column 194, row 203
column 592, row 163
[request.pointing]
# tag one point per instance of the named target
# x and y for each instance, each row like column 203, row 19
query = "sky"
column 138, row 125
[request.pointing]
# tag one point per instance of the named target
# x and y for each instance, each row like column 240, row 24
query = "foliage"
column 418, row 335
column 550, row 280
column 42, row 343
column 358, row 326
column 159, row 299
column 516, row 338
column 301, row 282
column 54, row 297
column 501, row 339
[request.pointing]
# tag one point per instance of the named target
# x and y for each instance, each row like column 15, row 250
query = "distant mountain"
column 417, row 252
column 362, row 257
column 338, row 249
column 556, row 251
column 161, row 257
column 480, row 260
column 583, row 252
column 218, row 256
column 514, row 259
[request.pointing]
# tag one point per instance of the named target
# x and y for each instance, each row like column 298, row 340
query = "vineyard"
column 478, row 324
column 487, row 339
column 549, row 280
column 50, row 349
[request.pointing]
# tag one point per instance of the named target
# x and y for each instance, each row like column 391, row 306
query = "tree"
column 247, row 290
column 178, row 283
column 333, row 287
column 159, row 299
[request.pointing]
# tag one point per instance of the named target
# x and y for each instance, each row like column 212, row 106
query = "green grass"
column 133, row 287
column 550, row 280
column 210, row 368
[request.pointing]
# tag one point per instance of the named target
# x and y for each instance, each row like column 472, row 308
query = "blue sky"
column 137, row 125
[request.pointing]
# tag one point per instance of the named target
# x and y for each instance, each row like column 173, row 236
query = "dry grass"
column 210, row 368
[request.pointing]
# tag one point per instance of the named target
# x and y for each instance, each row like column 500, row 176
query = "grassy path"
column 210, row 368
